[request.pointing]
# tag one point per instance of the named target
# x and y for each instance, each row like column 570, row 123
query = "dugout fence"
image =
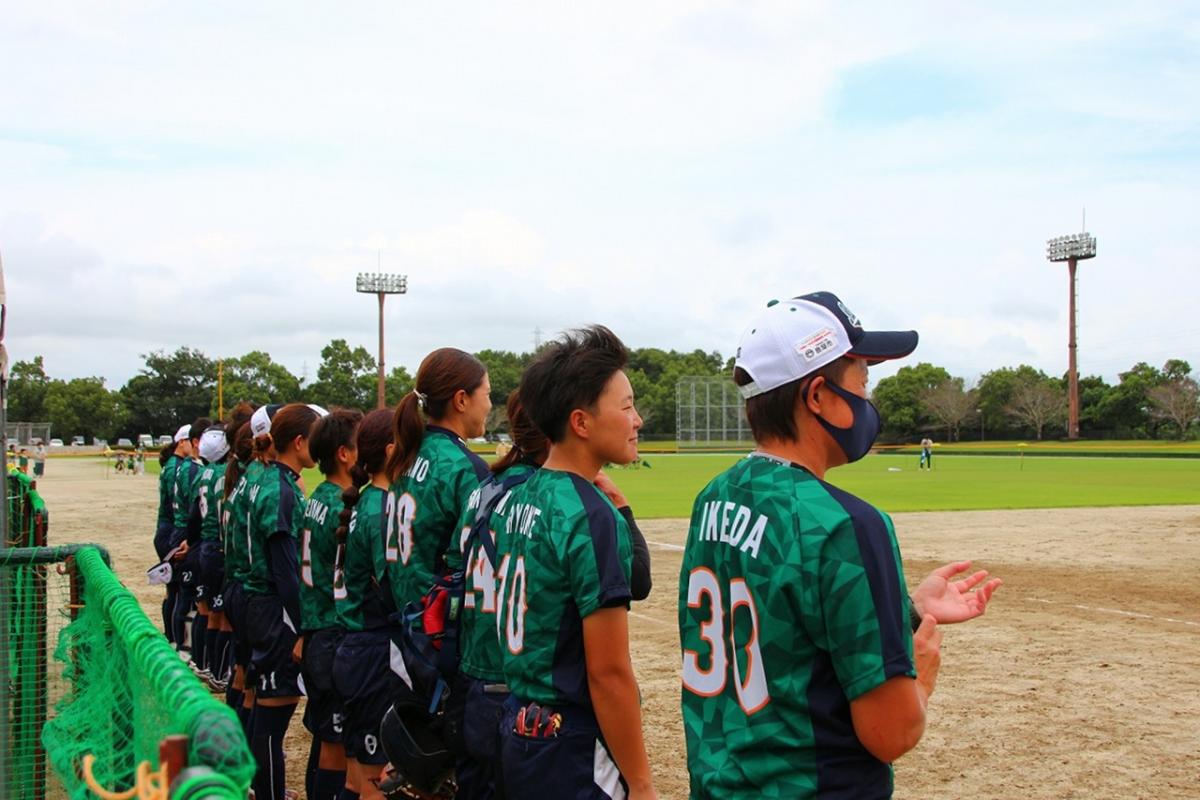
column 84, row 673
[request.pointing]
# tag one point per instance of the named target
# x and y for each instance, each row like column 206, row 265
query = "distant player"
column 39, row 459
column 187, row 568
column 572, row 726
column 275, row 507
column 802, row 674
column 363, row 601
column 926, row 453
column 332, row 445
column 169, row 459
column 480, row 692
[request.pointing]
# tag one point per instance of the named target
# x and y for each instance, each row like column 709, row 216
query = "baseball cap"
column 793, row 338
column 321, row 412
column 213, row 446
column 260, row 421
column 183, row 433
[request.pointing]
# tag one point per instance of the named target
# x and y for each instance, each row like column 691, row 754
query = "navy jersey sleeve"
column 611, row 579
column 640, row 581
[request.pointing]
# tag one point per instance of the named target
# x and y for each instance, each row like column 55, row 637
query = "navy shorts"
column 477, row 714
column 574, row 765
column 162, row 539
column 188, row 570
column 273, row 670
column 234, row 601
column 363, row 677
column 323, row 714
column 211, row 562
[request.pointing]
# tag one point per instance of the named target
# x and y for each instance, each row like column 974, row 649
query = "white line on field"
column 1118, row 611
column 665, row 545
column 655, row 620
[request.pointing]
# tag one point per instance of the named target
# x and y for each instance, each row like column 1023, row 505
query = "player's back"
column 780, row 628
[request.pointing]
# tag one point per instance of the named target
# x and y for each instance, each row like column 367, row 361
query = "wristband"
column 914, row 616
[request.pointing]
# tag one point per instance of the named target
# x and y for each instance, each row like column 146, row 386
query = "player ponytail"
column 374, row 436
column 441, row 375
column 164, row 455
column 242, row 449
column 529, row 445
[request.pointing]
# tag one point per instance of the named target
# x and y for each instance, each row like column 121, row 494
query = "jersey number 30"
column 751, row 688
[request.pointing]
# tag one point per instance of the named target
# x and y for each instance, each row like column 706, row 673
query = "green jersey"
column 564, row 552
column 318, row 549
column 186, row 474
column 477, row 636
column 166, row 492
column 428, row 500
column 210, row 495
column 236, row 519
column 275, row 505
column 792, row 603
column 361, row 596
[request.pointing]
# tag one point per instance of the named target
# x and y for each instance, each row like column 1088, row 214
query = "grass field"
column 959, row 483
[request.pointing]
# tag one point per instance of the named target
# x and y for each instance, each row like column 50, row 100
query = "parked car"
column 145, row 440
column 77, row 441
column 98, row 442
column 165, row 439
column 56, row 442
column 123, row 442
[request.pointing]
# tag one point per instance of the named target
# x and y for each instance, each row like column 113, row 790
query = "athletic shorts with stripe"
column 574, row 765
column 273, row 670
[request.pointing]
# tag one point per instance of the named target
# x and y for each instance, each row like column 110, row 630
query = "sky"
column 214, row 175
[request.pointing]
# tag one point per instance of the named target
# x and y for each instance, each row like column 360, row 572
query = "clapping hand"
column 948, row 600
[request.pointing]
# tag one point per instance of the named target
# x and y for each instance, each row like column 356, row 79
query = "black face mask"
column 856, row 440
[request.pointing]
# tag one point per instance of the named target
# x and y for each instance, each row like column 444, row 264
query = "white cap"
column 213, row 445
column 260, row 421
column 793, row 338
column 183, row 433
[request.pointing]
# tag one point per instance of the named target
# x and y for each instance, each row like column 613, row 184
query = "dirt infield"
column 1082, row 681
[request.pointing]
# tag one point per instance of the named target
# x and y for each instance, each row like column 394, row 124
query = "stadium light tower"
column 1072, row 249
column 381, row 284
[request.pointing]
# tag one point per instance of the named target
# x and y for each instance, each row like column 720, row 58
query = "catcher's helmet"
column 416, row 748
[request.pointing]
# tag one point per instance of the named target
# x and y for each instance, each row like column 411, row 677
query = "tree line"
column 1005, row 403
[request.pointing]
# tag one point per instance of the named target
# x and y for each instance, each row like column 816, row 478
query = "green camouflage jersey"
column 564, row 552
column 276, row 505
column 236, row 518
column 210, row 494
column 478, row 643
column 166, row 491
column 362, row 599
column 428, row 500
column 792, row 603
column 318, row 549
column 186, row 474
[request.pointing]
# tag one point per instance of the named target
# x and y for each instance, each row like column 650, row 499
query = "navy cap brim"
column 876, row 346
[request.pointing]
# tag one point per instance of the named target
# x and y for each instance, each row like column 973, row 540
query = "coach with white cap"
column 807, row 668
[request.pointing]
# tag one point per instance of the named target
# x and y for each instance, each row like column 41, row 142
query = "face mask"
column 856, row 440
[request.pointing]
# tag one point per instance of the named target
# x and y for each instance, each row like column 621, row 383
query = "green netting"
column 27, row 629
column 126, row 690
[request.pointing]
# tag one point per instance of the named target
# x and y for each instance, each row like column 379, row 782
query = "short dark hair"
column 570, row 373
column 772, row 415
column 199, row 427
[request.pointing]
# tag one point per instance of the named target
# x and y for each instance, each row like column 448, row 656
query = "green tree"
column 1092, row 391
column 899, row 399
column 995, row 395
column 83, row 406
column 397, row 384
column 171, row 390
column 504, row 373
column 347, row 377
column 1125, row 409
column 258, row 379
column 27, row 385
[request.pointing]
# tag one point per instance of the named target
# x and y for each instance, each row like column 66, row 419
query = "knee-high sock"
column 310, row 771
column 224, row 655
column 328, row 784
column 270, row 726
column 199, row 628
column 212, row 661
column 168, row 612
